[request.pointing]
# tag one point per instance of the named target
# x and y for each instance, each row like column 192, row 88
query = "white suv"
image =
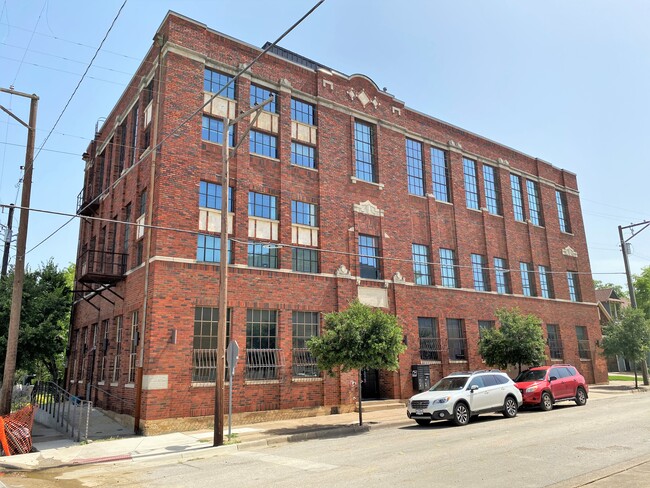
column 459, row 396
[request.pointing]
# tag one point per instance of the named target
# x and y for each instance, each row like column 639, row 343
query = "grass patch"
column 617, row 377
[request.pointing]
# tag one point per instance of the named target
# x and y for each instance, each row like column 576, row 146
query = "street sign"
column 232, row 355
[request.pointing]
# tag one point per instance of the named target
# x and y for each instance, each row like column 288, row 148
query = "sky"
column 566, row 82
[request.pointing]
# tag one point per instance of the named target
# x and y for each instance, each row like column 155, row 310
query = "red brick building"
column 338, row 192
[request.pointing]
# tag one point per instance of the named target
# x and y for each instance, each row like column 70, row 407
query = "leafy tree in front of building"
column 642, row 291
column 628, row 336
column 44, row 320
column 518, row 340
column 359, row 337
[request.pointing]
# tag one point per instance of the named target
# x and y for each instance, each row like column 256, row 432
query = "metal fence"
column 204, row 365
column 304, row 363
column 61, row 410
column 430, row 348
column 263, row 364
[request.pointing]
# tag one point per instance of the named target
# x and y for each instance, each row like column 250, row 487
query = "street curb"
column 600, row 474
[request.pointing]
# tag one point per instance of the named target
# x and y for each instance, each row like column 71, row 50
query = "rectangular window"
column 115, row 376
column 127, row 236
column 517, row 198
column 429, row 339
column 302, row 112
column 135, row 339
column 121, row 159
column 134, row 135
column 210, row 196
column 534, row 205
column 471, row 184
column 574, row 286
column 304, row 213
column 213, row 81
column 421, row 268
column 212, row 130
column 546, row 282
column 456, row 340
column 369, row 257
column 208, row 249
column 305, row 326
column 584, row 351
column 259, row 95
column 563, row 211
column 527, row 279
column 554, row 342
column 480, row 273
column 204, row 343
column 303, row 155
column 262, row 255
column 261, row 350
column 448, row 268
column 364, row 150
column 440, row 174
column 484, row 325
column 492, row 190
column 502, row 275
column 304, row 260
column 262, row 205
column 103, row 348
column 263, row 144
column 414, row 167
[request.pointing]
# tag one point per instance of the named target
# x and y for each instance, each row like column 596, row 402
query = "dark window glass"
column 471, row 184
column 262, row 205
column 261, row 345
column 212, row 130
column 421, row 268
column 502, row 275
column 369, row 257
column 204, row 343
column 305, row 326
column 429, row 339
column 364, row 142
column 263, row 144
column 517, row 198
column 563, row 212
column 214, row 81
column 262, row 255
column 480, row 273
column 534, row 205
column 440, row 174
column 554, row 343
column 546, row 282
column 492, row 190
column 414, row 167
column 490, row 379
column 456, row 339
column 484, row 325
column 574, row 286
column 528, row 279
column 448, row 268
column 304, row 260
column 303, row 213
column 302, row 112
column 210, row 196
column 259, row 95
column 303, row 155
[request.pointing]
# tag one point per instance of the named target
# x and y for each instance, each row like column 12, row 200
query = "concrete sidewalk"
column 56, row 452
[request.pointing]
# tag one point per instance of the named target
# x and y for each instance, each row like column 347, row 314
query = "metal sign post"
column 232, row 355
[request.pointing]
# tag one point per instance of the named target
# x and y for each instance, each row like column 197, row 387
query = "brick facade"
column 165, row 283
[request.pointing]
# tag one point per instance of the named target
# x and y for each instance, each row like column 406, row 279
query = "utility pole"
column 5, row 255
column 21, row 244
column 630, row 284
column 223, row 263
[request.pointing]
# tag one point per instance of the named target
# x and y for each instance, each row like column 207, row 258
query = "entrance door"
column 370, row 384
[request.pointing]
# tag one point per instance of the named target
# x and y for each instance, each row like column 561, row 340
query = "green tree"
column 358, row 337
column 629, row 336
column 44, row 319
column 519, row 340
column 642, row 291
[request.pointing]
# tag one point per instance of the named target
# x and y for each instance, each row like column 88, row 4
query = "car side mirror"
column 473, row 388
column 552, row 378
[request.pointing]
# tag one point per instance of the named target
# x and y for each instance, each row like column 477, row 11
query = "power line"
column 28, row 44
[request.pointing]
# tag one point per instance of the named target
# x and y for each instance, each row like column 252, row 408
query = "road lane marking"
column 286, row 461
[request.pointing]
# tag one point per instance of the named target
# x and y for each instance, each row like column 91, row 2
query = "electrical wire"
column 29, row 43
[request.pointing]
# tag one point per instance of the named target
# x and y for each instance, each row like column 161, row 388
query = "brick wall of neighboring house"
column 177, row 283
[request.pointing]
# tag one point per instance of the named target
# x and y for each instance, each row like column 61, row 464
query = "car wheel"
column 581, row 396
column 510, row 407
column 546, row 402
column 461, row 414
column 423, row 421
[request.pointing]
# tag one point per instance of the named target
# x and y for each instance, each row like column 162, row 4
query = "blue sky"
column 566, row 82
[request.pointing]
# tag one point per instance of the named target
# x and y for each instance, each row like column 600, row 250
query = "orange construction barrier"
column 16, row 431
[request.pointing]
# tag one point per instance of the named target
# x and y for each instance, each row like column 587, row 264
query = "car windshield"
column 447, row 384
column 531, row 375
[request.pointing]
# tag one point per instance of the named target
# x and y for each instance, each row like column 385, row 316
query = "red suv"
column 546, row 385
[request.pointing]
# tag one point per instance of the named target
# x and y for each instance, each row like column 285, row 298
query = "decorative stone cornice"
column 368, row 208
column 569, row 251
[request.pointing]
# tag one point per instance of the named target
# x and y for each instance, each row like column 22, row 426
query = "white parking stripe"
column 286, row 461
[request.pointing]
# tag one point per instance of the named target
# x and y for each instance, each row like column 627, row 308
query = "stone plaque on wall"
column 373, row 297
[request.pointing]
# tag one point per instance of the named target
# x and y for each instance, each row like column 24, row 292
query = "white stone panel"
column 373, row 297
column 155, row 382
column 210, row 220
column 267, row 122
